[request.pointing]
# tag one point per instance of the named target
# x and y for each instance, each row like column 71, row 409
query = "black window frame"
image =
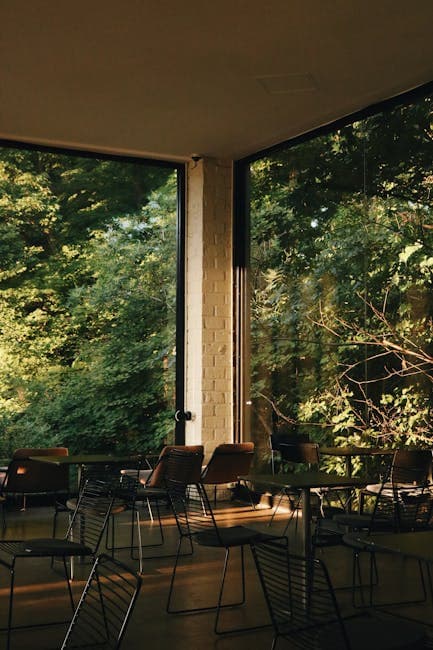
column 180, row 169
column 241, row 243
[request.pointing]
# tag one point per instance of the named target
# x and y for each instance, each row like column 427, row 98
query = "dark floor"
column 41, row 593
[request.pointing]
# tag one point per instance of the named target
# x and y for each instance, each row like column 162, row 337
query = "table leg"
column 348, row 504
column 307, row 546
column 306, row 523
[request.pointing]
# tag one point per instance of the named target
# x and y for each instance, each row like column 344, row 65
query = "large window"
column 341, row 282
column 87, row 301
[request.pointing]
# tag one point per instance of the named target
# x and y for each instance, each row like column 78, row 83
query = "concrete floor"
column 41, row 593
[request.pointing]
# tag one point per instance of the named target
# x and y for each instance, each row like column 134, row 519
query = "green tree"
column 341, row 260
column 87, row 300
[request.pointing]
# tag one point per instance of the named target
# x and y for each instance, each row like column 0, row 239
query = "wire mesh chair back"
column 157, row 477
column 123, row 485
column 105, row 472
column 126, row 486
column 406, row 499
column 189, row 500
column 299, row 595
column 411, row 467
column 406, row 509
column 106, row 604
column 91, row 514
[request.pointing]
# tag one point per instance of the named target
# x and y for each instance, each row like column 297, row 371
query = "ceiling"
column 226, row 78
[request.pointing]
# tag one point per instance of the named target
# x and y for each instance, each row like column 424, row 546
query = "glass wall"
column 341, row 276
column 87, row 302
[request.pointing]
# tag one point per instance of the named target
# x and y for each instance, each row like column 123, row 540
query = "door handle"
column 181, row 416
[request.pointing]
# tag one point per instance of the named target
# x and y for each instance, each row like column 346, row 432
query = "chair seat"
column 151, row 493
column 230, row 536
column 44, row 547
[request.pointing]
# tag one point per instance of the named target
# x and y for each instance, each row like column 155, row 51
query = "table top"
column 353, row 450
column 305, row 480
column 417, row 545
column 85, row 459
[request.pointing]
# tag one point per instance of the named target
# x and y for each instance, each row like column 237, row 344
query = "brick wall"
column 209, row 326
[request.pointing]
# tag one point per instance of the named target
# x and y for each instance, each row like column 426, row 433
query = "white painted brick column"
column 209, row 312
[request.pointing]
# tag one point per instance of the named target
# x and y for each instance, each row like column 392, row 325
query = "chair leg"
column 207, row 608
column 140, row 548
column 110, row 535
column 160, row 526
column 427, row 568
column 292, row 514
column 173, row 577
column 3, row 509
column 68, row 583
column 9, row 628
column 55, row 524
column 276, row 508
column 220, row 606
column 221, row 592
column 373, row 581
column 71, row 559
column 152, row 545
column 149, row 509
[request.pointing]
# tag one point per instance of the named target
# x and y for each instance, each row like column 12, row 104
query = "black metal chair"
column 409, row 509
column 153, row 491
column 196, row 523
column 406, row 508
column 105, row 607
column 82, row 539
column 124, row 485
column 304, row 610
column 280, row 437
column 307, row 454
column 408, row 467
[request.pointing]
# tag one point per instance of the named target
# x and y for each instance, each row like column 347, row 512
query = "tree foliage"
column 87, row 300
column 341, row 280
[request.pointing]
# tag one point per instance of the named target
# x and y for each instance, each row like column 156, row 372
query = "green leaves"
column 87, row 301
column 408, row 251
column 342, row 278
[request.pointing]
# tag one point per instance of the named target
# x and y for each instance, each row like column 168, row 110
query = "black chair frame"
column 105, row 606
column 304, row 609
column 196, row 523
column 87, row 525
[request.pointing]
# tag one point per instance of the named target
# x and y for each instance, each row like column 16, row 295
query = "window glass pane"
column 87, row 301
column 341, row 283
